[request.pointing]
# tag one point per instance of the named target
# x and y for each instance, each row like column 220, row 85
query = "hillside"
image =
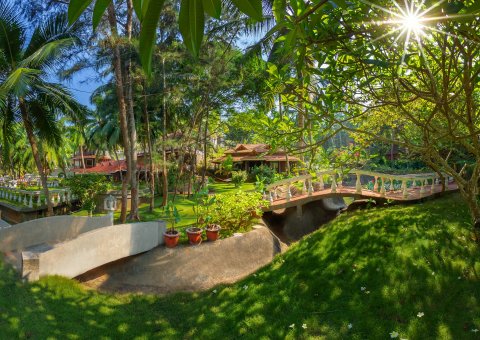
column 410, row 270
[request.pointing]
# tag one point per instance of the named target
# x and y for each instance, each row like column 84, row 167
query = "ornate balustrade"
column 331, row 181
column 32, row 199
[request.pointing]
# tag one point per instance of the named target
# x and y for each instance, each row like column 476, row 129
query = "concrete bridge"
column 297, row 191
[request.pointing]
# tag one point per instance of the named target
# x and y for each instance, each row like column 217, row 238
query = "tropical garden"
column 145, row 100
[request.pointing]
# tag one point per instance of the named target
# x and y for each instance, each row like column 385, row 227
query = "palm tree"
column 25, row 91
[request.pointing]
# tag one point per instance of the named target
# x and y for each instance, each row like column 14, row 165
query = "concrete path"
column 188, row 268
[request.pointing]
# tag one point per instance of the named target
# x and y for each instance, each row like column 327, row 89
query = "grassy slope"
column 410, row 259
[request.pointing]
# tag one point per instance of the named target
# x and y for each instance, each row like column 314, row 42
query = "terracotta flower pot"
column 194, row 236
column 213, row 232
column 171, row 238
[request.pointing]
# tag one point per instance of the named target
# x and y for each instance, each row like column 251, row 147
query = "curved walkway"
column 188, row 268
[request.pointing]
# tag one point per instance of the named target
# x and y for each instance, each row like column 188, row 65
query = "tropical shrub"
column 263, row 173
column 235, row 212
column 239, row 177
column 86, row 187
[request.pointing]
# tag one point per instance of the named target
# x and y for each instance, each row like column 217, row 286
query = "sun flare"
column 413, row 23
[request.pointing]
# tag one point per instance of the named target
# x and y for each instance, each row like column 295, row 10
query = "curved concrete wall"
column 49, row 230
column 91, row 250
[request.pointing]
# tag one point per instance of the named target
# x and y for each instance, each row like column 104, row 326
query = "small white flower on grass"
column 420, row 314
column 393, row 335
column 292, row 326
column 349, row 326
column 255, row 275
column 304, row 326
column 363, row 288
column 245, row 287
column 214, row 291
column 475, row 330
column 459, row 278
column 367, row 292
column 433, row 273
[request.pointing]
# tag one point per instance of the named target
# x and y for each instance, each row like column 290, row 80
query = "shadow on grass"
column 376, row 270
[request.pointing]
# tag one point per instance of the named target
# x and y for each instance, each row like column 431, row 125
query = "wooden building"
column 247, row 156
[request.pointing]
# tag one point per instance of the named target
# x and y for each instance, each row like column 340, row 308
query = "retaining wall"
column 49, row 230
column 91, row 250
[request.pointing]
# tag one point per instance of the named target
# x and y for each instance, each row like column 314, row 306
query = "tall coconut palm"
column 26, row 93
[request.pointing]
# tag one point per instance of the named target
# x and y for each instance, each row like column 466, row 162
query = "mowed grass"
column 185, row 205
column 406, row 269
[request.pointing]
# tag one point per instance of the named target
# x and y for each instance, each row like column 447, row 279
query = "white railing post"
column 39, row 200
column 334, row 183
column 304, row 188
column 358, row 185
column 382, row 189
column 310, row 187
column 432, row 188
column 288, row 195
column 375, row 186
column 30, row 201
column 392, row 187
column 271, row 197
column 422, row 188
column 404, row 188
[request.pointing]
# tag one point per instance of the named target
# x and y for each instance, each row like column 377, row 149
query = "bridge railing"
column 29, row 198
column 332, row 181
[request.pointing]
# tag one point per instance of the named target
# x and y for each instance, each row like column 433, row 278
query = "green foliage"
column 86, row 187
column 239, row 177
column 227, row 166
column 191, row 20
column 263, row 173
column 410, row 259
column 235, row 212
column 171, row 214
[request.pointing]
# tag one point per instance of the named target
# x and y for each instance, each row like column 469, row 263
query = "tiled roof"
column 108, row 167
column 255, row 152
column 266, row 158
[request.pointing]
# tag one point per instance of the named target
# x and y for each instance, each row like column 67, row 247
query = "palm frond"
column 44, row 120
column 47, row 56
column 12, row 34
column 20, row 81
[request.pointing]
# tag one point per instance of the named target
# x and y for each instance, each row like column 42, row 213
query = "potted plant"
column 171, row 235
column 212, row 230
column 194, row 235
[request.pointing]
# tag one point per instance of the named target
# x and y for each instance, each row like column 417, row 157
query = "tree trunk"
column 124, row 192
column 131, row 123
column 150, row 153
column 36, row 155
column 164, row 139
column 472, row 202
column 205, row 146
column 81, row 157
column 117, row 65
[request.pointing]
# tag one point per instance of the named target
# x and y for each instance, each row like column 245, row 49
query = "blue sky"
column 82, row 85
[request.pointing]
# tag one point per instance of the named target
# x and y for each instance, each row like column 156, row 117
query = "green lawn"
column 411, row 270
column 184, row 205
